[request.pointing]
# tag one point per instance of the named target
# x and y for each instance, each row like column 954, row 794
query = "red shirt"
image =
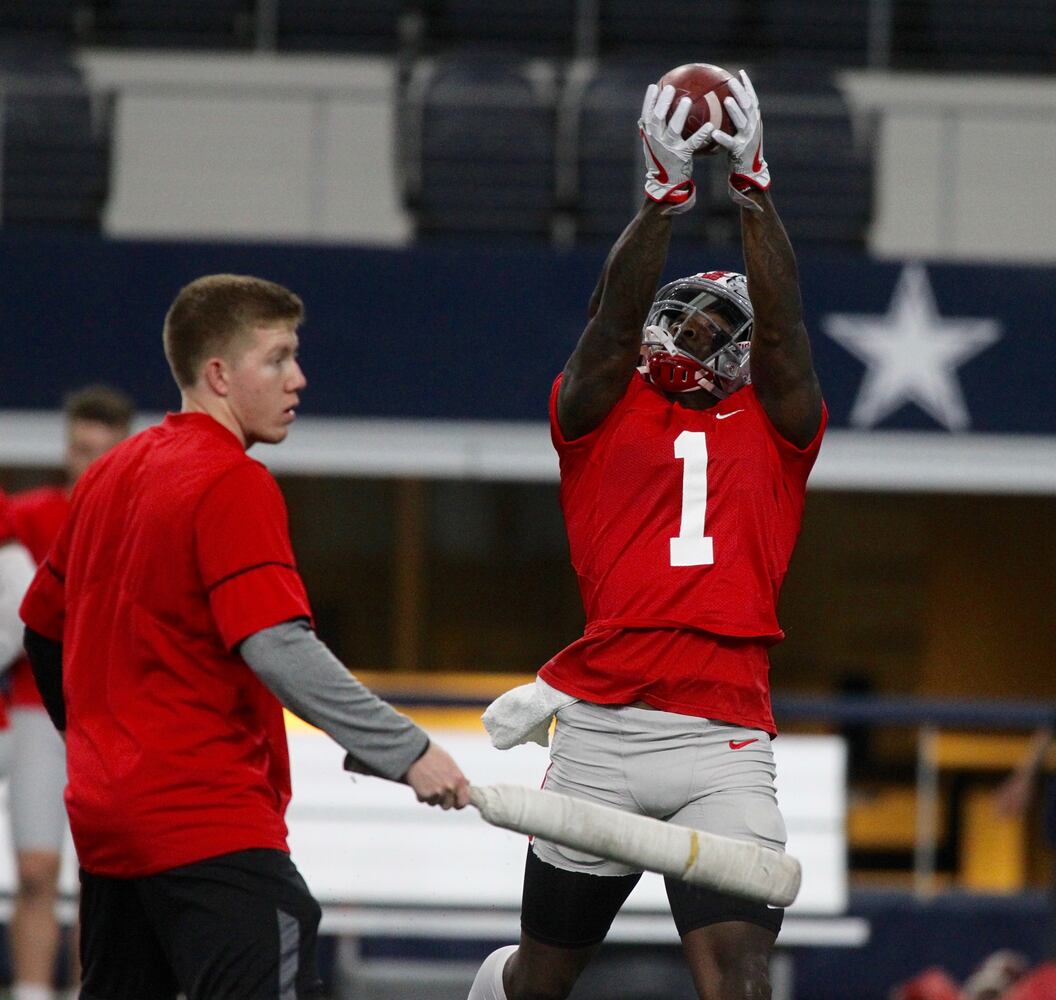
column 681, row 524
column 176, row 549
column 37, row 516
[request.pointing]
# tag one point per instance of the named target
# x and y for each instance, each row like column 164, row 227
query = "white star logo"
column 911, row 353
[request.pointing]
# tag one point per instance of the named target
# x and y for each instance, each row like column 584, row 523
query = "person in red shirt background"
column 167, row 627
column 686, row 425
column 16, row 572
column 96, row 418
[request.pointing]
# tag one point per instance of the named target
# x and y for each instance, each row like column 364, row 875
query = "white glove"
column 669, row 157
column 748, row 169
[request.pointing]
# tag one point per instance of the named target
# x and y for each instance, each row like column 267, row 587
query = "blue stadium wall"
column 464, row 331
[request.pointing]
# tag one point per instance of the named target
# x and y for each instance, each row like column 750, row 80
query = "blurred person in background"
column 683, row 474
column 1016, row 794
column 167, row 627
column 16, row 572
column 96, row 418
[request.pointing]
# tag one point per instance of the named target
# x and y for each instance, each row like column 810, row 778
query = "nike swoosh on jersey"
column 741, row 744
column 732, row 413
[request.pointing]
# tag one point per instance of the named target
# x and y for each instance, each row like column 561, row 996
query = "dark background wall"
column 463, row 331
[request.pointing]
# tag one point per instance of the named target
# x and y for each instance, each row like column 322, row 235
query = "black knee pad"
column 570, row 909
column 694, row 906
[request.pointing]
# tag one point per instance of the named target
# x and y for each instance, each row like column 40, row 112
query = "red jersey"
column 37, row 516
column 681, row 524
column 176, row 549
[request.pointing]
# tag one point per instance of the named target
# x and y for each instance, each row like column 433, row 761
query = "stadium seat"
column 55, row 159
column 600, row 167
column 542, row 27
column 174, row 23
column 604, row 185
column 339, row 25
column 27, row 58
column 832, row 32
column 823, row 174
column 54, row 151
column 822, row 171
column 671, row 32
column 1012, row 36
column 482, row 147
column 36, row 21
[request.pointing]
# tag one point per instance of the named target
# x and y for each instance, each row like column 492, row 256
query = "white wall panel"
column 251, row 147
column 961, row 164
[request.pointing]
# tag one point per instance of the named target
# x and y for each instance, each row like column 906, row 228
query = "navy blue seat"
column 609, row 164
column 340, row 25
column 55, row 159
column 671, row 32
column 1010, row 36
column 541, row 27
column 608, row 153
column 26, row 54
column 823, row 177
column 215, row 24
column 35, row 21
column 485, row 159
column 833, row 32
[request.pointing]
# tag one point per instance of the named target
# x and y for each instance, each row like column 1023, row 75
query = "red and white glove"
column 669, row 157
column 744, row 148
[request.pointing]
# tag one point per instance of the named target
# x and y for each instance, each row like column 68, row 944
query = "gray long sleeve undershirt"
column 296, row 666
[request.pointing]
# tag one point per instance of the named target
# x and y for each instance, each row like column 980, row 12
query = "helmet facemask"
column 718, row 303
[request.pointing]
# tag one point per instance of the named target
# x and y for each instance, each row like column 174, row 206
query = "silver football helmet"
column 715, row 301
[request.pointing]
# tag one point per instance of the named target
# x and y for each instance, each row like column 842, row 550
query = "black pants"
column 573, row 909
column 239, row 926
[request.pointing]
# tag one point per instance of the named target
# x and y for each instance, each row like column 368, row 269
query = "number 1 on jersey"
column 693, row 547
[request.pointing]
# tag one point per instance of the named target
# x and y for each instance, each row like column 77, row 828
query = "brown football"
column 707, row 87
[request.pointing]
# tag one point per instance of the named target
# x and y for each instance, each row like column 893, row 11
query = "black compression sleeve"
column 45, row 656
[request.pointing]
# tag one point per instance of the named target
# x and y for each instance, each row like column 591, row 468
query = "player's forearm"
column 634, row 267
column 312, row 683
column 773, row 276
column 599, row 289
column 604, row 360
column 633, row 231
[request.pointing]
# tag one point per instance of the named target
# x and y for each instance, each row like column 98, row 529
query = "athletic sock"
column 31, row 991
column 488, row 983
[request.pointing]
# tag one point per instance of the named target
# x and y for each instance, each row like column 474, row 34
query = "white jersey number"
column 693, row 547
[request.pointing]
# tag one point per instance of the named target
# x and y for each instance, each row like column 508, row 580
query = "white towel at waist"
column 523, row 714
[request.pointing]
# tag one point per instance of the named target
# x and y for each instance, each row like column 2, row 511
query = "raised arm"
column 782, row 370
column 604, row 360
column 600, row 367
